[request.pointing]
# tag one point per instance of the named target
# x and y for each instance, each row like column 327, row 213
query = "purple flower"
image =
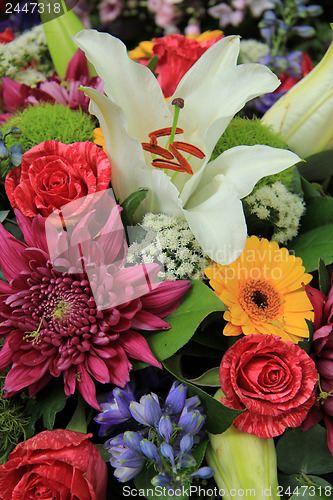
column 191, row 422
column 165, row 427
column 165, row 439
column 127, row 462
column 115, row 410
column 175, row 400
column 148, row 411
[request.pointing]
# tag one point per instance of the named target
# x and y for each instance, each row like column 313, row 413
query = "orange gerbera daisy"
column 263, row 292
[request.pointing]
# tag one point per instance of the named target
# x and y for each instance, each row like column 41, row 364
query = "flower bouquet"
column 166, row 292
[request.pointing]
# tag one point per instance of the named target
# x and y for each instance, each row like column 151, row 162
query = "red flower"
column 7, row 35
column 53, row 174
column 17, row 95
column 288, row 81
column 62, row 319
column 58, row 464
column 176, row 55
column 272, row 380
column 322, row 345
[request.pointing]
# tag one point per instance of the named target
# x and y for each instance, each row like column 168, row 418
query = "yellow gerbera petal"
column 99, row 137
column 263, row 292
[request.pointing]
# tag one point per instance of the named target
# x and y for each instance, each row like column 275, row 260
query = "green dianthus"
column 44, row 122
column 242, row 131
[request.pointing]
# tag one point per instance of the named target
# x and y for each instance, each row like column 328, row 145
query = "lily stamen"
column 172, row 151
column 188, row 148
column 162, row 132
column 157, row 150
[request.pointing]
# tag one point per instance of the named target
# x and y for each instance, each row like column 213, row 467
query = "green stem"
column 174, row 124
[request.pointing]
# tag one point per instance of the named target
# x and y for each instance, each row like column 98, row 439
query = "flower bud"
column 175, row 400
column 150, row 451
column 15, row 155
column 303, row 116
column 3, row 151
column 244, row 464
column 15, row 132
column 165, row 427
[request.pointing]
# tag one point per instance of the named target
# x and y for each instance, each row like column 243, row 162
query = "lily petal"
column 127, row 157
column 130, row 85
column 217, row 87
column 244, row 166
column 218, row 222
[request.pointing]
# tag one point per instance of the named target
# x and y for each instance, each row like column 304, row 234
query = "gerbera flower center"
column 260, row 300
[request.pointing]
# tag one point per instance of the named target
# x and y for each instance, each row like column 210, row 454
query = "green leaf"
column 298, row 485
column 195, row 306
column 78, row 421
column 199, row 453
column 210, row 332
column 33, row 411
column 304, row 452
column 59, row 30
column 152, row 65
column 324, row 278
column 319, row 211
column 210, row 378
column 3, row 215
column 131, row 204
column 307, row 343
column 194, row 349
column 314, row 245
column 309, row 190
column 317, row 167
column 219, row 417
column 105, row 454
column 52, row 402
column 45, row 404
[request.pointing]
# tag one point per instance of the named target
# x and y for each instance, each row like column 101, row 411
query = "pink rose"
column 273, row 381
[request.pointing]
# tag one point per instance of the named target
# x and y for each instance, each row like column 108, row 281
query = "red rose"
column 6, row 36
column 176, row 55
column 53, row 174
column 272, row 380
column 58, row 464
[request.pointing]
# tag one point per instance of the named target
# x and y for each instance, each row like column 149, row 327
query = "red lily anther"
column 157, row 150
column 170, row 165
column 172, row 151
column 162, row 132
column 188, row 148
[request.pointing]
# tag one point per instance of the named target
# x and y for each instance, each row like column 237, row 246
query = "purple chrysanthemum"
column 49, row 317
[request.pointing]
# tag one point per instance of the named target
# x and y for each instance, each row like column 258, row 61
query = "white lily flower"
column 303, row 116
column 207, row 194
